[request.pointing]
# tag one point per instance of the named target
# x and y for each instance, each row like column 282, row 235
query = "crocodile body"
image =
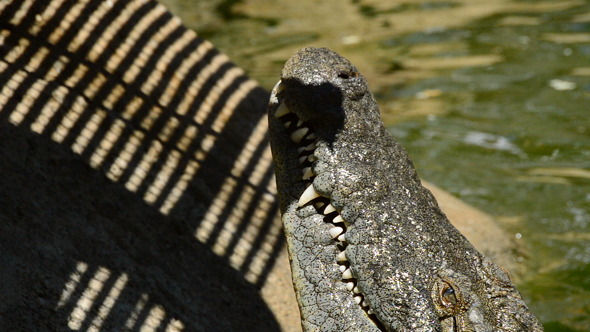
column 370, row 249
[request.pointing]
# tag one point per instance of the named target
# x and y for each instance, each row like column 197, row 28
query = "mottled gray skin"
column 417, row 272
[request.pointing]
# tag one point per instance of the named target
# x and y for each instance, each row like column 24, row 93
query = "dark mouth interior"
column 303, row 136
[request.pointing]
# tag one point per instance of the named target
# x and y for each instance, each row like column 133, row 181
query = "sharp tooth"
column 276, row 90
column 287, row 124
column 342, row 268
column 307, row 173
column 310, row 147
column 319, row 205
column 312, row 158
column 336, row 231
column 342, row 238
column 337, row 219
column 302, row 159
column 279, row 87
column 282, row 110
column 356, row 290
column 311, row 136
column 365, row 303
column 370, row 312
column 347, row 274
column 350, row 285
column 341, row 257
column 308, row 195
column 299, row 123
column 298, row 134
column 358, row 299
column 329, row 209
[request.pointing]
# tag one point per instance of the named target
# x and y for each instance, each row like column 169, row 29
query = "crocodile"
column 370, row 249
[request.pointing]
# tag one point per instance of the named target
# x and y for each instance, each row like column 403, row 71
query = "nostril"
column 346, row 75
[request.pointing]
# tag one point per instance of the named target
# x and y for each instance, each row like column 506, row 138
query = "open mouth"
column 304, row 143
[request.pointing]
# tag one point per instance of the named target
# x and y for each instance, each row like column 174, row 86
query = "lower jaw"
column 310, row 203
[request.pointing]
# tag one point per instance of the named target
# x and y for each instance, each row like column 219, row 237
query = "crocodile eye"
column 448, row 297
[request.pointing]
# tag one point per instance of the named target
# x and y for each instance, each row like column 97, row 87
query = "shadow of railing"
column 184, row 231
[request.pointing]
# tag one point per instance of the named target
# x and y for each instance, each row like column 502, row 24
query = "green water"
column 491, row 101
column 515, row 141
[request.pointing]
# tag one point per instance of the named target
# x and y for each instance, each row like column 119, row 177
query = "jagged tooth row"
column 299, row 134
column 310, row 195
column 337, row 232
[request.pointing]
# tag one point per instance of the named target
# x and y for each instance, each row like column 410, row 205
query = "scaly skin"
column 370, row 249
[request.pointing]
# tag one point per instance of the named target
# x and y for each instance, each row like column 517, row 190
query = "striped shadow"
column 156, row 109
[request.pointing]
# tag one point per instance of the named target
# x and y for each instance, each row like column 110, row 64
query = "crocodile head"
column 370, row 250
